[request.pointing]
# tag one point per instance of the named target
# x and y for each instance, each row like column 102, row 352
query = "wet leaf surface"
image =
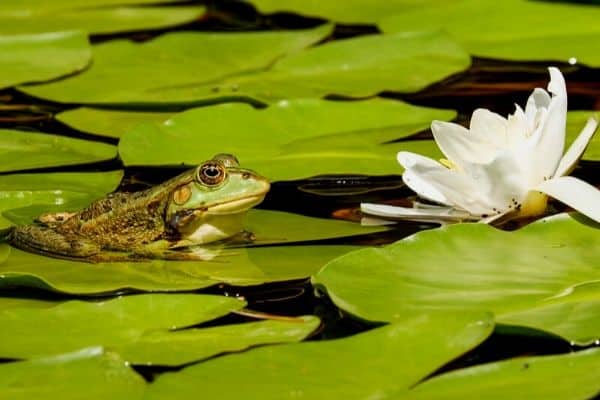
column 465, row 267
column 24, row 197
column 257, row 67
column 561, row 31
column 93, row 373
column 384, row 358
column 20, row 150
column 561, row 377
column 37, row 58
column 38, row 17
column 291, row 139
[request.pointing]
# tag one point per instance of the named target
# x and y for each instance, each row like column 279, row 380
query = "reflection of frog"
column 200, row 206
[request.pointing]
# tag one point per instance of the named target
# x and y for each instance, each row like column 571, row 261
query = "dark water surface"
column 492, row 84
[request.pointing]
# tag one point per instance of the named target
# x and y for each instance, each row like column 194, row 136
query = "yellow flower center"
column 534, row 204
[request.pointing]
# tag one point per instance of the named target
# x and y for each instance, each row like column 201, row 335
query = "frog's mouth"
column 234, row 206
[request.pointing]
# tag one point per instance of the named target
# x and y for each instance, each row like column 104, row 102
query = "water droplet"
column 572, row 61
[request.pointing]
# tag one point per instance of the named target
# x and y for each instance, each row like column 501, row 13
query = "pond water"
column 488, row 83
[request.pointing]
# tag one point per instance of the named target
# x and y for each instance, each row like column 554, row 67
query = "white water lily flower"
column 500, row 167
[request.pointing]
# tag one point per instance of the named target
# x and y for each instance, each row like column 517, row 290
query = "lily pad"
column 185, row 346
column 111, row 123
column 11, row 5
column 37, row 58
column 352, row 12
column 241, row 266
column 575, row 123
column 384, row 358
column 257, row 67
column 124, row 72
column 23, row 197
column 562, row 377
column 20, row 150
column 91, row 373
column 465, row 266
column 28, row 18
column 563, row 31
column 289, row 140
column 115, row 323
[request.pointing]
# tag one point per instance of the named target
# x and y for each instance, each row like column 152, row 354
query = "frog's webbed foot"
column 45, row 240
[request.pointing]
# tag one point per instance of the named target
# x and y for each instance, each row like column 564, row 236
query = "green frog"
column 174, row 220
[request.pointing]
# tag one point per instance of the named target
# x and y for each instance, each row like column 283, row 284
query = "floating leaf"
column 185, row 346
column 575, row 123
column 29, row 18
column 90, row 373
column 21, row 150
column 122, row 69
column 111, row 123
column 55, row 5
column 246, row 266
column 23, row 197
column 503, row 30
column 465, row 266
column 291, row 139
column 352, row 12
column 257, row 67
column 37, row 58
column 562, row 377
column 113, row 324
column 385, row 359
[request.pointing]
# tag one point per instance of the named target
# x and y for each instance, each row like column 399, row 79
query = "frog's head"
column 210, row 202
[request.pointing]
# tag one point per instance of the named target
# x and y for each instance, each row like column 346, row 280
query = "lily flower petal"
column 489, row 128
column 429, row 214
column 575, row 193
column 458, row 145
column 550, row 141
column 572, row 156
column 538, row 99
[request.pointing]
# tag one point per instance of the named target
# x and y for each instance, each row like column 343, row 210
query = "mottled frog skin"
column 173, row 220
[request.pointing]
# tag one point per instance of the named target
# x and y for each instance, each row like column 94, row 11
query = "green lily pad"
column 562, row 377
column 124, row 72
column 20, row 150
column 512, row 29
column 12, row 5
column 575, row 122
column 23, row 197
column 352, row 12
column 384, row 360
column 90, row 373
column 28, row 18
column 242, row 266
column 185, row 346
column 257, row 67
column 111, row 123
column 291, row 139
column 113, row 324
column 465, row 266
column 37, row 58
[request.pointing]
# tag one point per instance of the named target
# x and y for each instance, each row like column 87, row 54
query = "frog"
column 202, row 208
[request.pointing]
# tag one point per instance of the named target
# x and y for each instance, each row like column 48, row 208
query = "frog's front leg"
column 54, row 218
column 45, row 240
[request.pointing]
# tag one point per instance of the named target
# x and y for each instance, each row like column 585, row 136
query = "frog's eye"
column 211, row 173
